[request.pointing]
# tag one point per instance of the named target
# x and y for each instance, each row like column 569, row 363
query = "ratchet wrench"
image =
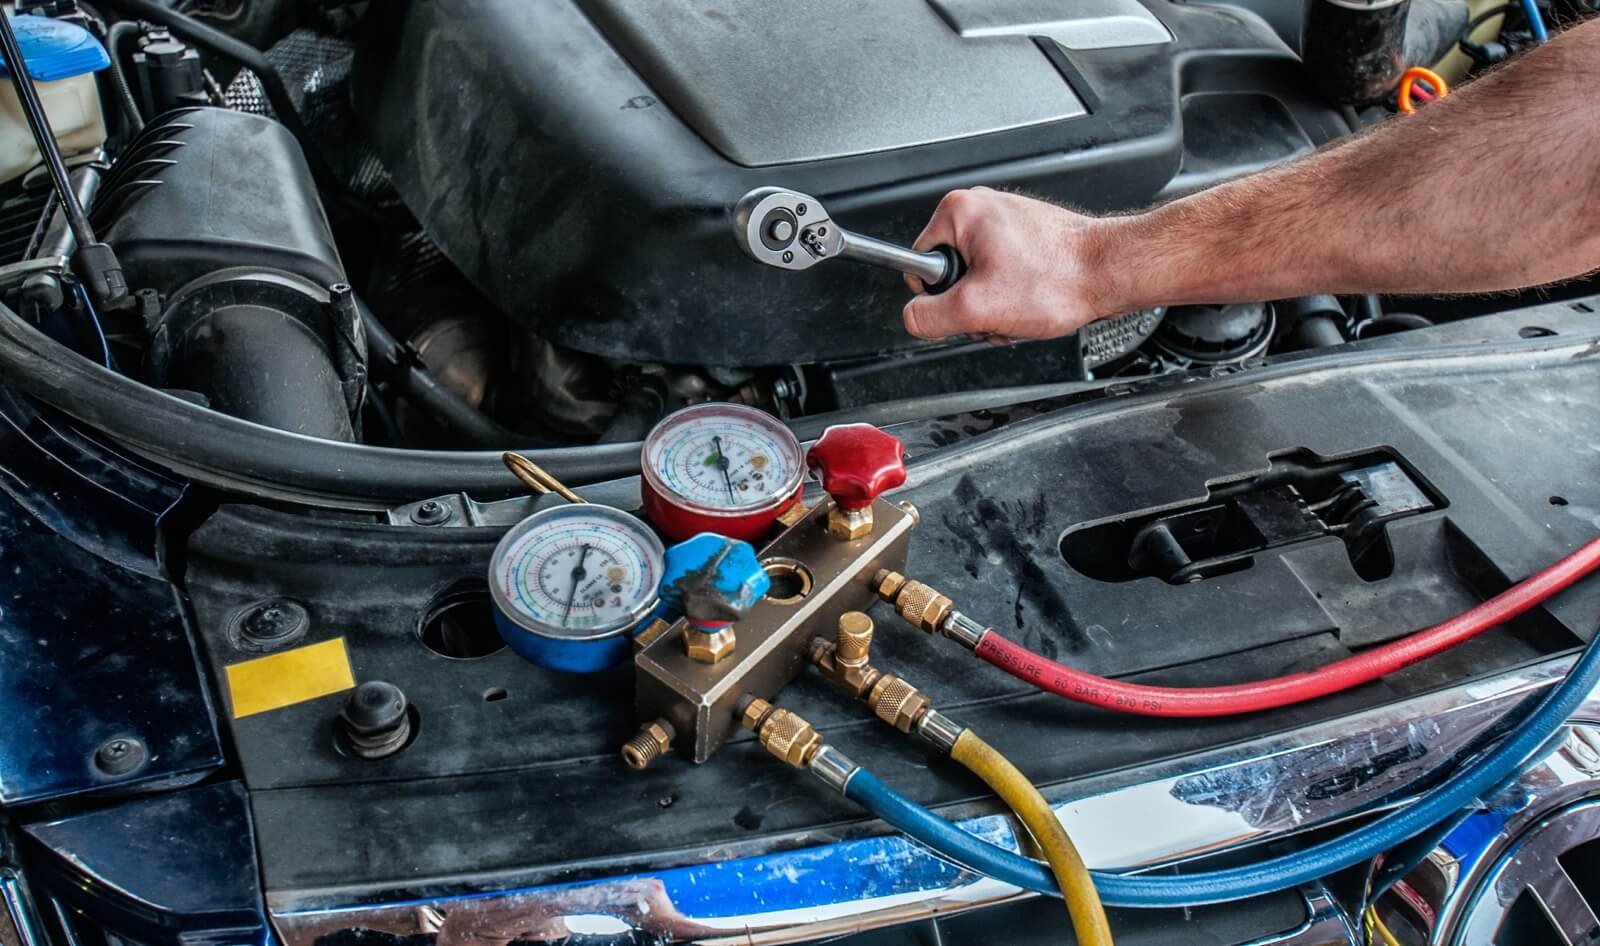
column 791, row 230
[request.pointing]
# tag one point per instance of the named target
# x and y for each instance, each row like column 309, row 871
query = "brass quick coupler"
column 909, row 710
column 654, row 738
column 784, row 734
column 898, row 703
column 914, row 601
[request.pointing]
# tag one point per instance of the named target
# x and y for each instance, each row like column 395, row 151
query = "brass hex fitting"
column 853, row 644
column 754, row 713
column 791, row 517
column 849, row 523
column 887, row 584
column 782, row 733
column 790, row 738
column 647, row 636
column 898, row 703
column 654, row 738
column 708, row 647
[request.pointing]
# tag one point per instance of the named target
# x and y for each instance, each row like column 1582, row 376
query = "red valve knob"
column 856, row 463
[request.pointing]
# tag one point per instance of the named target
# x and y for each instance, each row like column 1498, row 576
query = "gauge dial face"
column 724, row 458
column 577, row 572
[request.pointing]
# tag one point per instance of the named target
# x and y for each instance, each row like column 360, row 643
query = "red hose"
column 1296, row 687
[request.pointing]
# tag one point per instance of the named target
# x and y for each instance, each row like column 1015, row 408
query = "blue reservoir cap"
column 55, row 49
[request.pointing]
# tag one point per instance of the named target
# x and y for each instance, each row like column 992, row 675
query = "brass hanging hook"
column 536, row 479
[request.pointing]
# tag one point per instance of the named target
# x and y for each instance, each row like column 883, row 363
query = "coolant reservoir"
column 62, row 57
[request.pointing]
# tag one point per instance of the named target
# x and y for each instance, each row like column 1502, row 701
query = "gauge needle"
column 578, row 575
column 722, row 464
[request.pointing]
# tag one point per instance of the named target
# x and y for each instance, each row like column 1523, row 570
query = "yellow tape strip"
column 294, row 676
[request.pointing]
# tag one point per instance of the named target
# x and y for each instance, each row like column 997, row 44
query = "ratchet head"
column 784, row 228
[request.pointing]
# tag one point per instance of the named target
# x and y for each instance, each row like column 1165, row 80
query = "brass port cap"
column 854, row 641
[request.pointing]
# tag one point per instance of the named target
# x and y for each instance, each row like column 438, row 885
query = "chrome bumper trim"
column 1175, row 811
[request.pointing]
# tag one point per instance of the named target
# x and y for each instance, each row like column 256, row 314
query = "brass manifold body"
column 688, row 696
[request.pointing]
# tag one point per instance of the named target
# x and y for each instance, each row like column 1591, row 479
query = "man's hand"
column 1487, row 217
column 1034, row 270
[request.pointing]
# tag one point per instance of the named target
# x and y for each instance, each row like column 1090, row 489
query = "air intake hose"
column 1355, row 51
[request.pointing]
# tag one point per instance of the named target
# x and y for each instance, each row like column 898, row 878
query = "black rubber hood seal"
column 243, row 457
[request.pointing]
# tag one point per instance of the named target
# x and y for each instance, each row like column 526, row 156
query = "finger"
column 932, row 317
column 941, row 228
column 914, row 283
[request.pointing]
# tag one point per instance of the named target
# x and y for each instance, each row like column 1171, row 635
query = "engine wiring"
column 94, row 323
column 1408, row 87
column 1535, row 21
column 1472, row 47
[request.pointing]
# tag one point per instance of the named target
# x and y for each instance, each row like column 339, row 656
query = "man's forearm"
column 1495, row 187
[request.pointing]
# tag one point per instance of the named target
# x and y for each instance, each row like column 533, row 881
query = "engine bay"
column 501, row 454
column 517, row 247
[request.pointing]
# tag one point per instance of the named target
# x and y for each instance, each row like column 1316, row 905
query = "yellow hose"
column 1375, row 925
column 1083, row 901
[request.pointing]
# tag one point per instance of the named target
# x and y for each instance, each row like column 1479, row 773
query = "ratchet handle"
column 954, row 268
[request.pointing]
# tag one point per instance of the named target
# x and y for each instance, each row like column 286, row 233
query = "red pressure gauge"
column 723, row 468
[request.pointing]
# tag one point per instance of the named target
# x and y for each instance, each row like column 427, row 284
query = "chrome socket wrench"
column 793, row 231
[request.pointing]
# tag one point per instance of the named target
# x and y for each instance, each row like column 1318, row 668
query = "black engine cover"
column 579, row 159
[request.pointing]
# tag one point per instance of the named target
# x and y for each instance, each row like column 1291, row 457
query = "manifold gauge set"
column 715, row 588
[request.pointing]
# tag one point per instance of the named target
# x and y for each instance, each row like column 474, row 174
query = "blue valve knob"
column 712, row 580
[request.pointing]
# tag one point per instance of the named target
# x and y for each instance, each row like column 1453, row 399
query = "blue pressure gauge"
column 570, row 583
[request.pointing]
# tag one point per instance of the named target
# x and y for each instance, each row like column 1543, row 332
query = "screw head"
column 430, row 513
column 788, row 256
column 800, row 210
column 269, row 624
column 120, row 756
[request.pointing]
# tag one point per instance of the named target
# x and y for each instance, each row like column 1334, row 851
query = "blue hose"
column 1278, row 873
column 1535, row 20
